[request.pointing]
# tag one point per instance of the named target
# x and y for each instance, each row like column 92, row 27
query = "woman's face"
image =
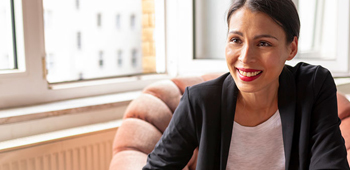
column 256, row 50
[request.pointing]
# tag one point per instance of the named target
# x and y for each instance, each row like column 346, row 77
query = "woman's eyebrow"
column 236, row 32
column 265, row 36
column 256, row 37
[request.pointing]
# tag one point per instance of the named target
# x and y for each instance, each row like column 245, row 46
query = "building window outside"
column 117, row 20
column 50, row 62
column 77, row 4
column 134, row 58
column 100, row 61
column 79, row 40
column 47, row 19
column 132, row 21
column 99, row 19
column 58, row 39
column 81, row 76
column 120, row 58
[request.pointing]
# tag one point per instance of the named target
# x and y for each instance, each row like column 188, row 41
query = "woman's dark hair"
column 283, row 12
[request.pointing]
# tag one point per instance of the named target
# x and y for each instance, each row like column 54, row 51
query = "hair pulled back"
column 283, row 12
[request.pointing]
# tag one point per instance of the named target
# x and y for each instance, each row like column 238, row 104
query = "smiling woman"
column 263, row 114
column 259, row 46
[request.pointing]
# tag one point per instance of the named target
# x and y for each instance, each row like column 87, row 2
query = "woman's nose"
column 247, row 54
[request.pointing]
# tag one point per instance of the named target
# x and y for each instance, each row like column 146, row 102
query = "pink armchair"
column 147, row 117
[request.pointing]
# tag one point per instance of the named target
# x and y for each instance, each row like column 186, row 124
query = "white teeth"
column 249, row 74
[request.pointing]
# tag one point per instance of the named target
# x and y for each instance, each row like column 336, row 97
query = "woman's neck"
column 255, row 108
column 258, row 102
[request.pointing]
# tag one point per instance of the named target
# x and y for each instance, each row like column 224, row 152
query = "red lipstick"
column 248, row 74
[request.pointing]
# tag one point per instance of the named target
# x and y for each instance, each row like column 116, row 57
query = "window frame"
column 17, row 39
column 181, row 47
column 28, row 85
column 340, row 66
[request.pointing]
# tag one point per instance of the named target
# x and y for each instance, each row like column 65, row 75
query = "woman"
column 263, row 114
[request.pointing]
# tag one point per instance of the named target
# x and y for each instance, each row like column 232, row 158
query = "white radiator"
column 85, row 152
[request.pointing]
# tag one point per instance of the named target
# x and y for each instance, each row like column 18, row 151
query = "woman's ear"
column 293, row 48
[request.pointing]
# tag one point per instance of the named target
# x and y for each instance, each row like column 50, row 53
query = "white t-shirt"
column 259, row 147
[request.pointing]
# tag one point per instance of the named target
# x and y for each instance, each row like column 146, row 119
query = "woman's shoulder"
column 308, row 71
column 306, row 74
column 305, row 69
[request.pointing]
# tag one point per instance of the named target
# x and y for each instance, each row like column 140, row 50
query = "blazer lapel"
column 228, row 107
column 286, row 106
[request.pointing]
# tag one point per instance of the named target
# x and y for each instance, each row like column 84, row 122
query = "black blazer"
column 204, row 118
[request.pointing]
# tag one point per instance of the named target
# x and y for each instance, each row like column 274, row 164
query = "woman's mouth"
column 248, row 74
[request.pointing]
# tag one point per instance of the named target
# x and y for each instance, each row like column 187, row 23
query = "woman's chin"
column 246, row 86
column 247, row 89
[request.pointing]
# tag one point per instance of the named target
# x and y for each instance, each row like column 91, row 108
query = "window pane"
column 7, row 57
column 210, row 28
column 318, row 34
column 94, row 39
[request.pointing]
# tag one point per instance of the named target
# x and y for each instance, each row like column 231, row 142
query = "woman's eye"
column 264, row 44
column 236, row 40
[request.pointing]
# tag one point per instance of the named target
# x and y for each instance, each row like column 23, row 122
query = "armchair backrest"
column 145, row 120
column 147, row 117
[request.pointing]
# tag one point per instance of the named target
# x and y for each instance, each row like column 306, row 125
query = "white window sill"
column 24, row 142
column 65, row 107
column 44, row 118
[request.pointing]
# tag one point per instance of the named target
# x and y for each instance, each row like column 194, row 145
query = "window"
column 58, row 39
column 50, row 62
column 50, row 66
column 117, row 20
column 8, row 38
column 132, row 21
column 75, row 66
column 100, row 60
column 134, row 58
column 77, row 4
column 319, row 20
column 81, row 76
column 79, row 40
column 210, row 28
column 324, row 34
column 62, row 41
column 99, row 18
column 181, row 39
column 120, row 58
column 48, row 19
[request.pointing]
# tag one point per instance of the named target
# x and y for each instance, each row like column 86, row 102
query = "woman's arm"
column 327, row 144
column 175, row 148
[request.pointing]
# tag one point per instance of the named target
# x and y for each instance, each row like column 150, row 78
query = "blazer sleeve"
column 176, row 146
column 327, row 144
